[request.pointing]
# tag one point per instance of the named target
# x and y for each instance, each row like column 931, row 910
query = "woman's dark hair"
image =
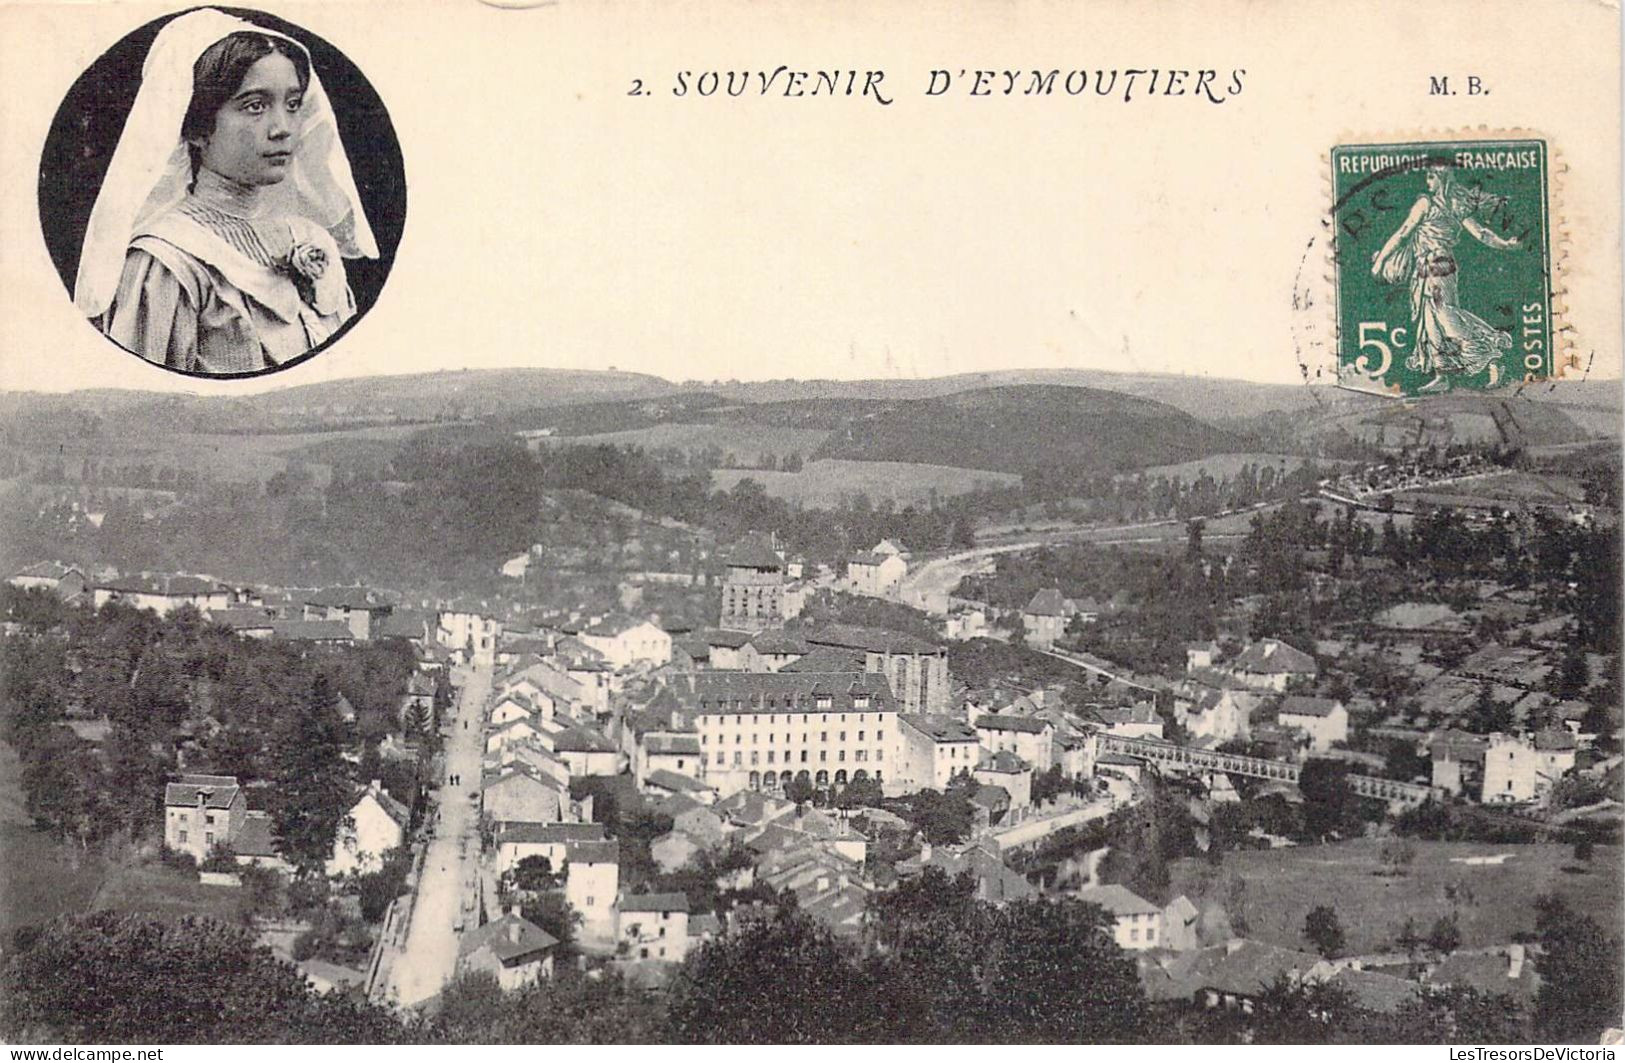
column 218, row 74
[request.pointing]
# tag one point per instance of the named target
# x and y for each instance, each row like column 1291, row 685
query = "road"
column 927, row 588
column 429, row 959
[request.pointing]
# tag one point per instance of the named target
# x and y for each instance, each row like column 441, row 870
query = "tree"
column 944, row 817
column 566, row 1009
column 859, row 793
column 1489, row 716
column 1329, row 805
column 534, row 874
column 558, row 917
column 779, row 981
column 1324, row 931
column 799, row 790
column 1397, row 855
column 1580, row 987
column 379, row 888
column 1573, row 673
column 1445, row 937
column 109, row 977
column 312, row 789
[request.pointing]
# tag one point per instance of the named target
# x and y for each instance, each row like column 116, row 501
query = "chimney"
column 513, row 932
column 823, row 883
column 1232, row 946
column 925, row 852
column 1515, row 954
column 376, row 786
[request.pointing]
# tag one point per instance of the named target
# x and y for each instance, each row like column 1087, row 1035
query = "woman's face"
column 257, row 130
column 1435, row 182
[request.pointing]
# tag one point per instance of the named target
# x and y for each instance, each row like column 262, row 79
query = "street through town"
column 429, row 959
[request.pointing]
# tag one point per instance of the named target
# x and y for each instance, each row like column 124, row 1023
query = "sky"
column 555, row 220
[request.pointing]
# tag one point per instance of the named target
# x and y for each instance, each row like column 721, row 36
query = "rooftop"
column 218, row 791
column 676, row 781
column 593, row 852
column 1117, row 900
column 654, row 902
column 512, row 939
column 1024, row 724
column 347, row 598
column 941, row 728
column 869, row 639
column 1047, row 602
column 312, row 631
column 1301, row 705
column 1273, row 657
column 787, row 692
column 549, row 833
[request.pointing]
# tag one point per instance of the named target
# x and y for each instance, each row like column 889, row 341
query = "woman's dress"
column 1449, row 339
column 206, row 291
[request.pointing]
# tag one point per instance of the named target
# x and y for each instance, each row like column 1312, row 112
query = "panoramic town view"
column 537, row 706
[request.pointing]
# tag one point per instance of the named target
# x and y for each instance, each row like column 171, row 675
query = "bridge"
column 1183, row 758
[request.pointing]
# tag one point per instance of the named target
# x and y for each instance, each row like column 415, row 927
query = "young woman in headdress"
column 218, row 239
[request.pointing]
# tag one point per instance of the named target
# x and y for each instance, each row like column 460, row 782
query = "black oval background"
column 86, row 129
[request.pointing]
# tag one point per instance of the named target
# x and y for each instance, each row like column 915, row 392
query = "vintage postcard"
column 528, row 522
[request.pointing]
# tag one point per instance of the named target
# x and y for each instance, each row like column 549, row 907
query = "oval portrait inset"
column 222, row 193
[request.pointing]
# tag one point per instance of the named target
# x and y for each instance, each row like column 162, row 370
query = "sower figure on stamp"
column 1449, row 339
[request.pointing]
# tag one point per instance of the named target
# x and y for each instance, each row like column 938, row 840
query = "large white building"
column 625, row 643
column 932, row 749
column 1518, row 769
column 469, row 628
column 761, row 730
column 1324, row 720
column 1136, row 922
column 163, row 593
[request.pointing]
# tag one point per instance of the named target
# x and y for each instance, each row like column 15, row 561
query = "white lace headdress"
column 151, row 167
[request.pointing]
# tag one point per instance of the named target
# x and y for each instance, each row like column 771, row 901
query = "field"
column 825, row 483
column 1223, row 466
column 164, row 893
column 1500, row 489
column 231, row 458
column 745, row 442
column 1493, row 901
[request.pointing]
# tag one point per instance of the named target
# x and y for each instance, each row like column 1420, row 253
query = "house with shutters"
column 1044, row 620
column 512, row 949
column 1136, row 922
column 876, row 575
column 1270, row 664
column 1324, row 720
column 375, row 824
column 362, row 610
column 653, row 926
column 514, row 842
column 203, row 813
column 592, row 881
column 163, row 593
column 64, row 581
column 628, row 642
column 1032, row 738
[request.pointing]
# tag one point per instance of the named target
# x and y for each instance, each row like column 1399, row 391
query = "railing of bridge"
column 1171, row 754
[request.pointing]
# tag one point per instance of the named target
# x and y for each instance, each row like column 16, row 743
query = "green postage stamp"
column 1443, row 265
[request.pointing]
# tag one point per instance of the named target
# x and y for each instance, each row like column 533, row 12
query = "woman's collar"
column 228, row 196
